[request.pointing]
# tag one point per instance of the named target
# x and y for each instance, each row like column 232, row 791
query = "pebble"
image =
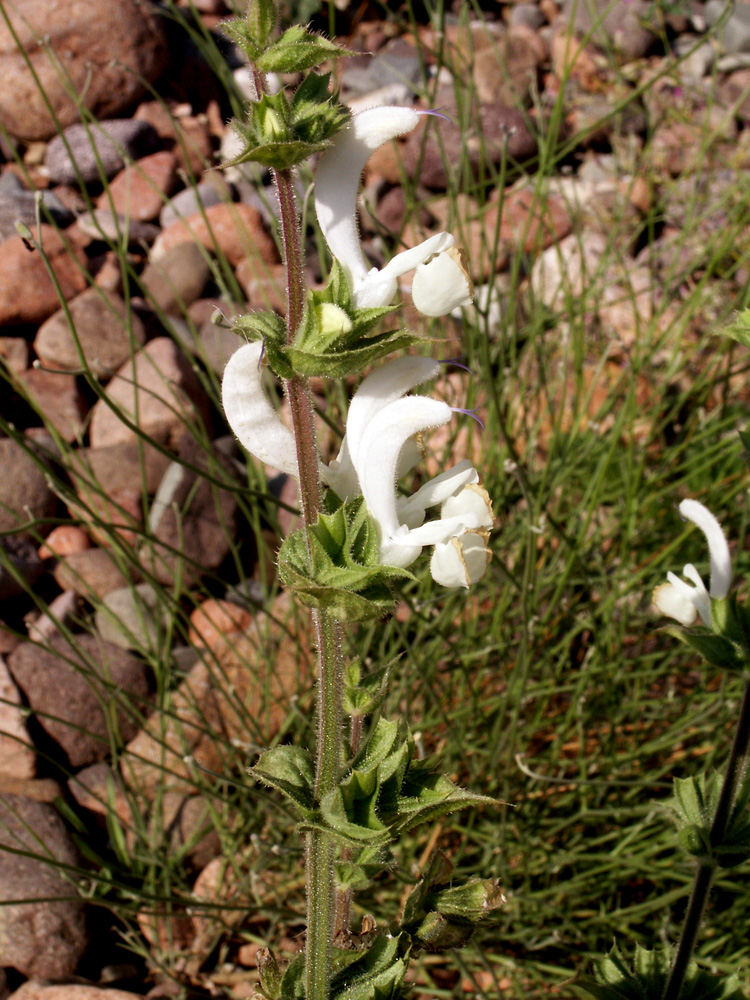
column 158, row 391
column 27, row 293
column 109, row 49
column 91, row 150
column 59, row 611
column 44, row 935
column 106, row 331
column 14, row 352
column 735, row 33
column 58, row 399
column 101, row 224
column 73, row 685
column 141, row 190
column 505, row 71
column 17, row 753
column 18, row 204
column 18, row 578
column 561, row 272
column 63, row 540
column 92, row 573
column 528, row 15
column 623, row 26
column 234, row 230
column 24, row 491
column 132, row 618
column 177, row 278
column 69, row 991
column 194, row 199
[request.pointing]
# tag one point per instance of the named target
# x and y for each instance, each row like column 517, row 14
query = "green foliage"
column 253, row 32
column 282, row 133
column 364, row 693
column 299, row 50
column 694, row 806
column 646, row 979
column 335, row 565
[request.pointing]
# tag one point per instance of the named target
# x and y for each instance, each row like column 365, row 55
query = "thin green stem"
column 320, row 848
column 707, row 867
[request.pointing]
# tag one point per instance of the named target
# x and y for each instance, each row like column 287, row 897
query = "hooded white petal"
column 718, row 550
column 461, row 561
column 443, row 284
column 336, row 186
column 337, row 183
column 411, row 510
column 251, row 416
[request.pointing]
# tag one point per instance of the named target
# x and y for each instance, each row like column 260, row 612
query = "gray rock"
column 620, row 25
column 527, row 14
column 44, row 939
column 25, row 566
column 73, row 687
column 734, row 35
column 131, row 617
column 18, row 204
column 177, row 278
column 101, row 224
column 105, row 147
column 398, row 62
column 191, row 200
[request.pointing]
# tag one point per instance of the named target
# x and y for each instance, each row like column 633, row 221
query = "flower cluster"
column 380, row 445
column 686, row 602
column 384, row 422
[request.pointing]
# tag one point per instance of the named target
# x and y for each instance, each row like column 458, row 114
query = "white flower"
column 441, row 280
column 380, row 445
column 683, row 601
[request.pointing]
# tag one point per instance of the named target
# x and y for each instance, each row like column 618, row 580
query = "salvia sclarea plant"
column 710, row 811
column 364, row 786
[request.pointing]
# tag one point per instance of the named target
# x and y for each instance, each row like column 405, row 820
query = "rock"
column 264, row 285
column 528, row 15
column 63, row 540
column 108, row 50
column 24, row 491
column 183, row 205
column 562, row 272
column 505, row 71
column 27, row 294
column 18, row 204
column 187, row 136
column 398, row 61
column 242, row 689
column 105, row 328
column 17, row 754
column 159, row 392
column 44, row 936
column 130, row 464
column 111, row 227
column 192, row 522
column 734, row 93
column 73, row 686
column 234, row 230
column 69, row 991
column 735, row 33
column 84, row 152
column 98, row 788
column 623, row 26
column 141, row 190
column 58, row 399
column 92, row 573
column 25, row 566
column 177, row 279
column 14, row 353
column 132, row 618
column 59, row 612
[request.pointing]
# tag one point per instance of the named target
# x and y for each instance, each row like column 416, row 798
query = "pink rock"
column 141, row 189
column 236, row 230
column 58, row 399
column 63, row 540
column 27, row 294
column 17, row 755
column 158, row 391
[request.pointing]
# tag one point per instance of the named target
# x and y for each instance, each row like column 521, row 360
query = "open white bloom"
column 684, row 601
column 441, row 280
column 379, row 446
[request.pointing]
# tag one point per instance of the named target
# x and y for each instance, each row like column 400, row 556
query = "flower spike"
column 686, row 602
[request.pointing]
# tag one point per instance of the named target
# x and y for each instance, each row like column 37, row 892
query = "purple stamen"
column 437, row 113
column 468, row 413
column 456, row 362
column 262, row 352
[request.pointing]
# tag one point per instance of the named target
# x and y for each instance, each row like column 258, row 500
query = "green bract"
column 281, row 133
column 335, row 565
column 298, row 50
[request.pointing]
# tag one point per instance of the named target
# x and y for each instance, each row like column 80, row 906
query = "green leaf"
column 290, row 770
column 341, row 363
column 269, row 973
column 260, row 18
column 739, row 328
column 427, row 796
column 376, row 974
column 298, row 50
column 363, row 694
column 293, row 980
column 278, row 155
column 714, row 648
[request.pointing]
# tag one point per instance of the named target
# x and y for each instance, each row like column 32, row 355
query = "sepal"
column 615, row 979
column 341, row 572
column 715, row 649
column 693, row 808
column 269, row 974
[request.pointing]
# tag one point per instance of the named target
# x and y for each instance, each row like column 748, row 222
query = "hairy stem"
column 707, row 867
column 320, row 849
